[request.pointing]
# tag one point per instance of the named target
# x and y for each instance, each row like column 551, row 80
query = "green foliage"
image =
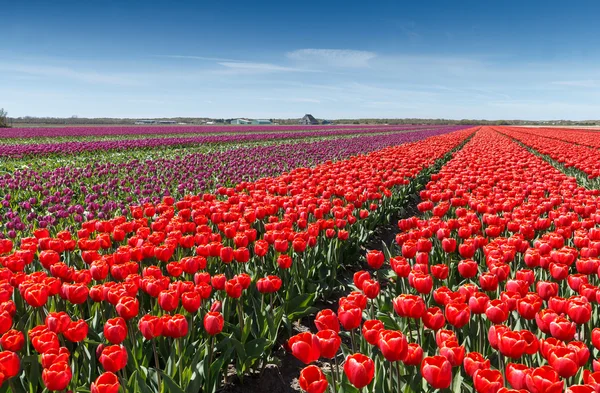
column 3, row 118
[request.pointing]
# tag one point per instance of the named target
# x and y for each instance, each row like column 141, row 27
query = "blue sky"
column 451, row 59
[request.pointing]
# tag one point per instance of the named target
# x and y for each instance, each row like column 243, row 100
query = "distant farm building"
column 241, row 121
column 251, row 121
column 261, row 121
column 150, row 121
column 308, row 119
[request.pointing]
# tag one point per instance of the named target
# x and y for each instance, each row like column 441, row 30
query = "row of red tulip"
column 192, row 276
column 582, row 157
column 503, row 265
column 586, row 137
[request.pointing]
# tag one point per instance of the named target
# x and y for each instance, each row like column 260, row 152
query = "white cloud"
column 69, row 73
column 262, row 67
column 194, row 57
column 333, row 57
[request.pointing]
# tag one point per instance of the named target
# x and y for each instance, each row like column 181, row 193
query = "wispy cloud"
column 94, row 77
column 579, row 83
column 262, row 67
column 186, row 57
column 333, row 57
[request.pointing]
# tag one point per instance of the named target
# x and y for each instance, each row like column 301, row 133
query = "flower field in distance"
column 170, row 259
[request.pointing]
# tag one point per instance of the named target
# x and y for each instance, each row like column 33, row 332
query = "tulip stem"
column 373, row 308
column 335, row 373
column 241, row 317
column 352, row 339
column 156, row 364
column 391, row 376
column 501, row 367
column 210, row 359
column 180, row 363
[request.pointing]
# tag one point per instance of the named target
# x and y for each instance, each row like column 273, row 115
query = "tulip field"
column 192, row 259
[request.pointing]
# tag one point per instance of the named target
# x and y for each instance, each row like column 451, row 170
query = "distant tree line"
column 3, row 118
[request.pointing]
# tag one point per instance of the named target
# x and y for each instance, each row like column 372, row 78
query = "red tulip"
column 544, row 380
column 475, row 361
column 592, row 379
column 453, row 352
column 544, row 318
column 57, row 321
column 115, row 330
column 467, row 268
column 488, row 282
column 168, row 300
column 478, row 303
column 433, row 318
column 516, row 375
column 10, row 364
column 458, row 314
column 494, row 334
column 359, row 370
column 284, row 261
column 76, row 331
column 57, row 376
column 350, row 317
column 564, row 361
column 105, row 383
column 269, row 284
column 312, row 380
column 546, row 289
column 497, row 311
column 55, row 355
column 375, row 259
column 175, row 326
column 596, row 337
column 150, row 326
column 393, row 345
column 305, row 347
column 488, row 381
column 371, row 288
column 233, row 288
column 423, row 283
column 36, row 295
column 580, row 312
column 191, row 301
column 113, row 358
column 411, row 306
column 414, row 355
column 359, row 278
column 562, row 329
column 213, row 323
column 128, row 307
column 12, row 340
column 528, row 307
column 329, row 342
column 371, row 330
column 437, row 371
column 511, row 344
column 440, row 271
column 326, row 319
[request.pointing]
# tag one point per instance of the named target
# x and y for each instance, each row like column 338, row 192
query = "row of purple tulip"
column 77, row 147
column 43, row 132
